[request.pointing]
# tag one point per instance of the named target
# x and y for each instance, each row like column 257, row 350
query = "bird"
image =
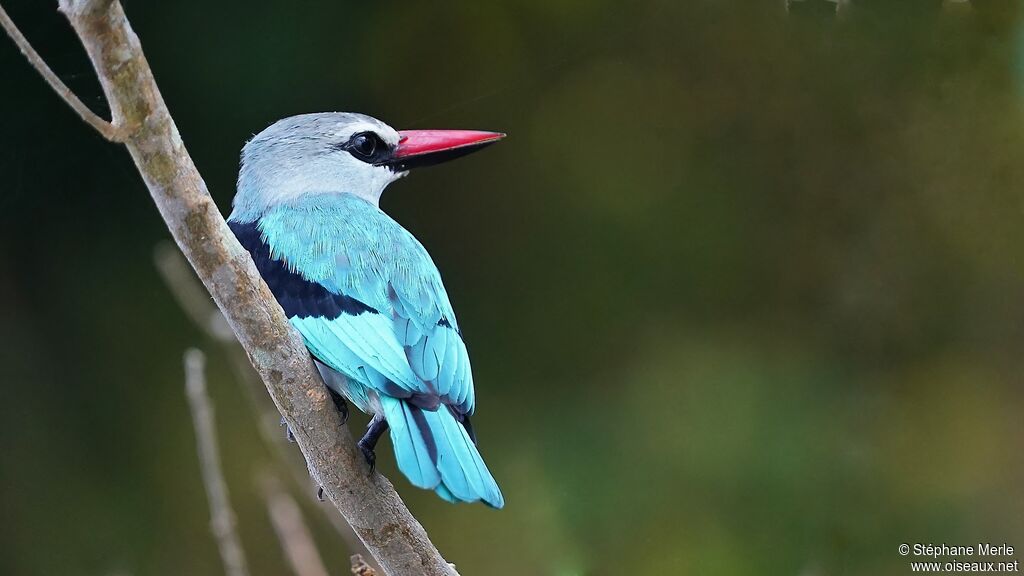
column 362, row 291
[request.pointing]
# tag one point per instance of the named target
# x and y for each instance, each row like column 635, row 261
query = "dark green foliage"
column 743, row 291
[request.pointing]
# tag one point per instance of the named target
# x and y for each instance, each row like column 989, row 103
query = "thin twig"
column 195, row 301
column 106, row 129
column 222, row 518
column 291, row 530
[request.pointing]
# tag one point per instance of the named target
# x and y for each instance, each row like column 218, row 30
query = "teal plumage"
column 410, row 346
column 363, row 292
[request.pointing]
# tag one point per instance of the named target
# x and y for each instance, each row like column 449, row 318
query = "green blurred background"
column 744, row 290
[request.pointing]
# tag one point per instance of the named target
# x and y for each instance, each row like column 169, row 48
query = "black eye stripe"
column 367, row 147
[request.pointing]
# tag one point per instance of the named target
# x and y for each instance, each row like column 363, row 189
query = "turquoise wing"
column 399, row 335
column 370, row 305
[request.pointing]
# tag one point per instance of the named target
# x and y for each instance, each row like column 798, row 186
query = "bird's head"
column 338, row 152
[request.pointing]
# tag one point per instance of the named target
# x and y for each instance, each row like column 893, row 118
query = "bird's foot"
column 368, row 454
column 378, row 425
column 340, row 404
column 320, row 493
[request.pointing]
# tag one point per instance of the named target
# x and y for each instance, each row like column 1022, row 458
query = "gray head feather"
column 301, row 155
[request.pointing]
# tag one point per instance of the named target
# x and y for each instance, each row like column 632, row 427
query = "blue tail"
column 435, row 452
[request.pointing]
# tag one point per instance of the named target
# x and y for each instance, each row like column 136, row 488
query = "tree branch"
column 106, row 129
column 368, row 502
column 222, row 517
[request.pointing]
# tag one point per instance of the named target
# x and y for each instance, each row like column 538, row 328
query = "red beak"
column 426, row 147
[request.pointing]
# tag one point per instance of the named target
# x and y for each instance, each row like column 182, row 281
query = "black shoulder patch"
column 298, row 296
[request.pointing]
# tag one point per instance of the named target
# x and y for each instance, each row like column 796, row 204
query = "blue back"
column 353, row 249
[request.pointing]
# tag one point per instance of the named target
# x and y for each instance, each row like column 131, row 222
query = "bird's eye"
column 364, row 145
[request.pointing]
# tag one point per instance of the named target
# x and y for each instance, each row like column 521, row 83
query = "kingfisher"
column 361, row 289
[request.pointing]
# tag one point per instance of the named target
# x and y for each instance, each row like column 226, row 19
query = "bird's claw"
column 368, row 442
column 369, row 455
column 340, row 404
column 320, row 493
